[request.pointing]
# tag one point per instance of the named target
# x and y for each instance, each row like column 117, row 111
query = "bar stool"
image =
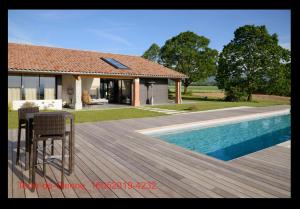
column 45, row 127
column 22, row 125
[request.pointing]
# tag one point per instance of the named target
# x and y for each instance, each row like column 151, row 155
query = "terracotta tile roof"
column 30, row 58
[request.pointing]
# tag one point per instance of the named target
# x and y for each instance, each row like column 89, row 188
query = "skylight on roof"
column 115, row 63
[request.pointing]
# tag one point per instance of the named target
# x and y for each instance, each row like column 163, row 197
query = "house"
column 51, row 77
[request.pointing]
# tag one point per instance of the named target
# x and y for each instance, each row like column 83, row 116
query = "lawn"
column 198, row 89
column 210, row 97
column 95, row 115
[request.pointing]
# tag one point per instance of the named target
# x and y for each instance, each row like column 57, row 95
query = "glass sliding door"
column 116, row 91
column 125, row 91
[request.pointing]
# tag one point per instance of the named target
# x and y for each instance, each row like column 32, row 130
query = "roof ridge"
column 72, row 49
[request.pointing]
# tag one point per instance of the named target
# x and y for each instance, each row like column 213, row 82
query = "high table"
column 29, row 127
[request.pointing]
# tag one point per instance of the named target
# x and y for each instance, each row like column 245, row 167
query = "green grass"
column 198, row 89
column 95, row 115
column 214, row 102
column 12, row 119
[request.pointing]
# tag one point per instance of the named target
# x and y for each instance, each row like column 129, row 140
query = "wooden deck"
column 113, row 152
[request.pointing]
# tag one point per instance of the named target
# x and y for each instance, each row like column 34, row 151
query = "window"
column 115, row 63
column 14, row 87
column 30, row 86
column 47, row 87
column 14, row 81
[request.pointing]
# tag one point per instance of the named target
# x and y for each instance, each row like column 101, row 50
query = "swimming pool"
column 229, row 141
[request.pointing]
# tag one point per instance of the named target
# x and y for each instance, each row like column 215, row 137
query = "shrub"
column 189, row 93
column 28, row 104
column 235, row 94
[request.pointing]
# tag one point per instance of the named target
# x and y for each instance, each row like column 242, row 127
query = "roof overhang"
column 14, row 70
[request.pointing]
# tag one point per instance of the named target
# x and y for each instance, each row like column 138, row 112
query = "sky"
column 133, row 31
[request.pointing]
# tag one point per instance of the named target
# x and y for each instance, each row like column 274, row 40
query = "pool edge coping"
column 212, row 122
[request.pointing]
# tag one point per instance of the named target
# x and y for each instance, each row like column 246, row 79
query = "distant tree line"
column 253, row 62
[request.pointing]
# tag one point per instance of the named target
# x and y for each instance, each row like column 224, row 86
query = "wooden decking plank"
column 191, row 187
column 260, row 185
column 40, row 181
column 50, row 179
column 28, row 193
column 211, row 163
column 143, row 168
column 224, row 193
column 17, row 173
column 274, row 180
column 68, row 193
column 238, row 185
column 164, row 150
column 83, row 178
column 210, row 180
column 101, row 156
column 134, row 162
column 72, row 179
column 107, row 192
column 121, row 174
column 167, row 190
column 143, row 176
column 10, row 167
column 275, row 159
column 112, row 170
column 264, row 164
column 269, row 160
column 220, row 166
column 85, row 157
column 278, row 174
column 105, row 177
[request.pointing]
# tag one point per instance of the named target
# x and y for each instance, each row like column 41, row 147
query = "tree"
column 248, row 62
column 279, row 82
column 189, row 53
column 152, row 53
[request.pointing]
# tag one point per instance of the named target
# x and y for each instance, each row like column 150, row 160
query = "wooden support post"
column 178, row 99
column 136, row 92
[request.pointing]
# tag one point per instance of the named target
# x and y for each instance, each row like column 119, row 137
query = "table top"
column 30, row 116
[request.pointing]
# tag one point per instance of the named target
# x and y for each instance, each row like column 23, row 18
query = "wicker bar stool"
column 22, row 125
column 45, row 127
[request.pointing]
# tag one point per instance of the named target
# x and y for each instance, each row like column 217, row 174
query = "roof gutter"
column 94, row 73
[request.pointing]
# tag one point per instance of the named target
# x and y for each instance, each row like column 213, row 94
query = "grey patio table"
column 29, row 127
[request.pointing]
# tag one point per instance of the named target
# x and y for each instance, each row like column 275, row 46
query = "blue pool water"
column 230, row 141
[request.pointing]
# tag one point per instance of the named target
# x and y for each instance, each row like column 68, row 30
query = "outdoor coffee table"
column 29, row 127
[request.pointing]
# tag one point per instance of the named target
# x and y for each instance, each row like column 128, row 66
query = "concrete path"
column 166, row 111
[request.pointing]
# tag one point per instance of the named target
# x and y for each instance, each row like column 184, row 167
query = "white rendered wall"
column 90, row 83
column 78, row 94
column 68, row 81
column 55, row 104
